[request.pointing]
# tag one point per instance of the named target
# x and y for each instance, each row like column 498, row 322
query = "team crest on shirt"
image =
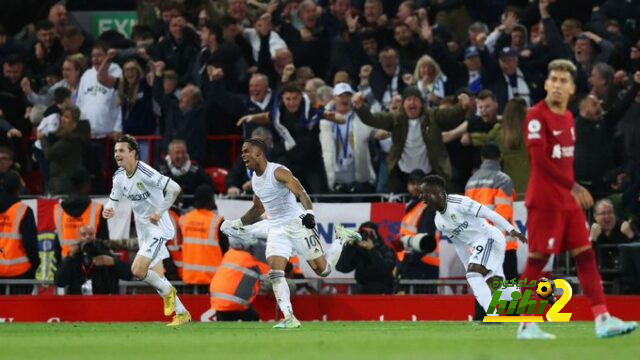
column 454, row 218
column 140, row 187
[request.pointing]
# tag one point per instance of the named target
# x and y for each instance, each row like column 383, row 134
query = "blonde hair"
column 78, row 60
column 512, row 120
column 563, row 65
column 426, row 60
column 127, row 93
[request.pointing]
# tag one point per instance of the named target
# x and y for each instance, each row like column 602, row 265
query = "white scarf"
column 522, row 89
column 263, row 104
column 289, row 141
column 178, row 171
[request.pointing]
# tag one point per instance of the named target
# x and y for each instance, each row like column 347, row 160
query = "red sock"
column 533, row 269
column 590, row 281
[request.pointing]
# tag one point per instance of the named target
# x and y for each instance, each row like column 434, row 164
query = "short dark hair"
column 258, row 143
column 71, row 31
column 102, row 45
column 44, row 25
column 61, row 94
column 291, row 87
column 10, row 182
column 13, row 59
column 434, row 180
column 133, row 143
column 486, row 93
column 215, row 29
column 203, row 197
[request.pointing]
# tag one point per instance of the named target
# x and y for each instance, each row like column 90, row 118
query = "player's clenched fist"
column 107, row 213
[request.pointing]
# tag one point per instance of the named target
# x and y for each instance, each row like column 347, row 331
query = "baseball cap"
column 341, row 88
column 508, row 52
column 471, row 51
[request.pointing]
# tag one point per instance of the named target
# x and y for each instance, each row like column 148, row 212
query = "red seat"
column 218, row 176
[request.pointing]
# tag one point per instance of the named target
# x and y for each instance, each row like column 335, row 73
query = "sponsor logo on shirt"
column 138, row 197
column 459, row 229
column 559, row 152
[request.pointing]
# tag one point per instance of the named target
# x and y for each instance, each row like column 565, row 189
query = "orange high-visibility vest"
column 295, row 262
column 409, row 226
column 67, row 226
column 201, row 253
column 175, row 245
column 498, row 201
column 236, row 282
column 13, row 257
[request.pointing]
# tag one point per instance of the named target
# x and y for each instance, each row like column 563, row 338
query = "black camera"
column 91, row 249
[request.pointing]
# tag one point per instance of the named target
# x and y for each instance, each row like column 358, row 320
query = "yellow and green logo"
column 530, row 309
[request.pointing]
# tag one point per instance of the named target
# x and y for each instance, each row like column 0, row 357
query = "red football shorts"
column 555, row 231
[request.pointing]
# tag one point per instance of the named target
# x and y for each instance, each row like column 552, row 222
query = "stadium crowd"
column 353, row 96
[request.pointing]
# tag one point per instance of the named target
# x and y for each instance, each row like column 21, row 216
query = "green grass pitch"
column 315, row 340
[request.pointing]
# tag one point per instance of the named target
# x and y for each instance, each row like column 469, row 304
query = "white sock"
column 602, row 317
column 333, row 253
column 161, row 284
column 281, row 290
column 180, row 309
column 480, row 289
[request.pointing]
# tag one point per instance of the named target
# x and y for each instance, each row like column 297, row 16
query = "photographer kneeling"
column 91, row 268
column 372, row 260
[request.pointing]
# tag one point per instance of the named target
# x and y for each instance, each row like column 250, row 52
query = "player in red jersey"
column 555, row 202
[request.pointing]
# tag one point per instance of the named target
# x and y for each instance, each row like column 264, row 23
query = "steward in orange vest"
column 236, row 283
column 203, row 244
column 18, row 233
column 494, row 189
column 173, row 265
column 76, row 211
column 418, row 219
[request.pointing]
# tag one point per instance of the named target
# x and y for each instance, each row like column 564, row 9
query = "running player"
column 555, row 202
column 151, row 195
column 463, row 221
column 289, row 226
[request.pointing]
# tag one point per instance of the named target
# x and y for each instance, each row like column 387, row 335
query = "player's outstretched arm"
column 293, row 184
column 254, row 214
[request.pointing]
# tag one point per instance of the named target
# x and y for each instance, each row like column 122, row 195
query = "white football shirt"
column 461, row 224
column 279, row 202
column 145, row 190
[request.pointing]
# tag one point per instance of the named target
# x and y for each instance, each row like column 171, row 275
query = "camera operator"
column 372, row 260
column 91, row 268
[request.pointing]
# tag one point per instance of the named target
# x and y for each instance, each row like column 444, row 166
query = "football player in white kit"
column 479, row 244
column 151, row 195
column 289, row 226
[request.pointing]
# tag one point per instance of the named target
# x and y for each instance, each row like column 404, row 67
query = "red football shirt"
column 550, row 140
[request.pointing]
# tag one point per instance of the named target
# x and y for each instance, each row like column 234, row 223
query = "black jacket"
column 104, row 279
column 374, row 268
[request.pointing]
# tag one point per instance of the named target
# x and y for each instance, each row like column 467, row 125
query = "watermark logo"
column 525, row 303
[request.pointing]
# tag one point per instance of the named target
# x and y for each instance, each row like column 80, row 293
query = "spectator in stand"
column 609, row 230
column 134, row 97
column 218, row 52
column 72, row 69
column 311, row 44
column 237, row 105
column 383, row 80
column 75, row 41
column 284, row 68
column 508, row 135
column 168, row 10
column 264, row 42
column 12, row 100
column 65, row 150
column 334, row 16
column 178, row 49
column 601, row 84
column 345, row 147
column 8, row 164
column 184, row 118
column 372, row 260
column 178, row 166
column 508, row 80
column 416, row 133
column 430, row 80
column 92, row 261
column 237, row 9
column 46, row 51
column 311, row 87
column 98, row 103
column 59, row 17
column 18, row 236
column 238, row 179
column 595, row 149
